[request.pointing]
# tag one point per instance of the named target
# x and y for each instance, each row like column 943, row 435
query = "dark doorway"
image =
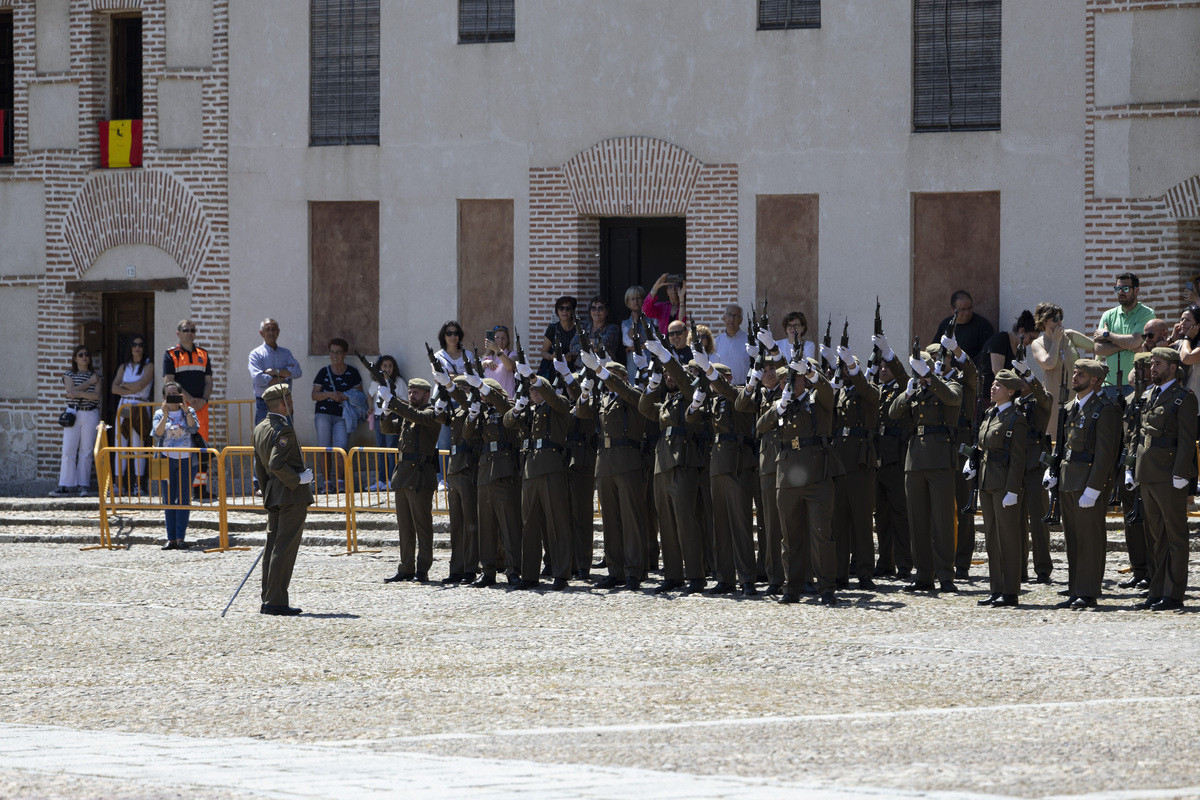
column 634, row 251
column 127, row 67
column 126, row 315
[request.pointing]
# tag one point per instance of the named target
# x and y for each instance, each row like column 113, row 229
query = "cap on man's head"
column 724, row 370
column 419, row 383
column 276, row 391
column 495, row 386
column 1009, row 380
column 1091, row 367
column 1165, row 354
column 617, row 367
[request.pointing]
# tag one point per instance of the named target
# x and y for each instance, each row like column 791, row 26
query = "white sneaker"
column 86, row 493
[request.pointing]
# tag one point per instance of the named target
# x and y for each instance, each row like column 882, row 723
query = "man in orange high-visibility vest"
column 188, row 365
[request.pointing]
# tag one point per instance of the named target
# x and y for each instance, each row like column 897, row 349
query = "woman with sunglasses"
column 1055, row 350
column 560, row 333
column 132, row 382
column 81, row 384
column 453, row 357
column 1185, row 337
column 601, row 331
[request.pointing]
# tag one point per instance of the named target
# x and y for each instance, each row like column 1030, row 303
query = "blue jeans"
column 180, row 472
column 387, row 465
column 443, row 443
column 331, row 432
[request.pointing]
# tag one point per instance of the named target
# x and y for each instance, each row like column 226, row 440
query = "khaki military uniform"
column 462, row 480
column 1093, row 439
column 1038, row 407
column 856, row 415
column 278, row 463
column 964, row 531
column 1002, row 443
column 891, row 505
column 498, row 488
column 930, row 465
column 1167, row 450
column 582, row 444
column 771, row 530
column 1136, row 544
column 544, row 514
column 414, row 480
column 805, row 469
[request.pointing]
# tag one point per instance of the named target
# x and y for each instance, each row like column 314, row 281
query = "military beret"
column 276, row 391
column 1165, row 354
column 781, row 372
column 461, row 380
column 495, row 386
column 724, row 370
column 1009, row 380
column 1139, row 357
column 419, row 383
column 617, row 367
column 1092, row 367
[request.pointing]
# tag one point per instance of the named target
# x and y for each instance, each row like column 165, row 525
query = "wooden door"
column 126, row 315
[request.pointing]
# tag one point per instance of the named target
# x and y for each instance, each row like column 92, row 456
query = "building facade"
column 368, row 169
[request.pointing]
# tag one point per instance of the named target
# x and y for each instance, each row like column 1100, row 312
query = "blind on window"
column 344, row 95
column 956, row 65
column 783, row 14
column 486, row 21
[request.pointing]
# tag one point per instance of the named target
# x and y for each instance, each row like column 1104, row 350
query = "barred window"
column 777, row 15
column 344, row 92
column 486, row 21
column 6, row 88
column 956, row 65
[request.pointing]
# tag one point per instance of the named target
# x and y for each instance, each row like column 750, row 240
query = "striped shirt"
column 77, row 380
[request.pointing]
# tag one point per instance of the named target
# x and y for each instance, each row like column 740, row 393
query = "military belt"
column 674, row 430
column 736, row 437
column 893, row 431
column 541, row 444
column 610, row 442
column 859, row 432
column 576, row 437
column 1161, row 441
column 926, row 430
column 461, row 450
column 495, row 447
column 419, row 459
column 799, row 444
column 1078, row 457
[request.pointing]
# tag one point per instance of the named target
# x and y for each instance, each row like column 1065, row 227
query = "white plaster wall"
column 148, row 261
column 1162, row 153
column 54, row 116
column 52, row 23
column 22, row 209
column 1165, row 56
column 825, row 111
column 19, row 357
column 180, row 114
column 189, row 33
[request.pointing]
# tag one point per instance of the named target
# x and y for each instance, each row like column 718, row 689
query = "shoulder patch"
column 283, row 441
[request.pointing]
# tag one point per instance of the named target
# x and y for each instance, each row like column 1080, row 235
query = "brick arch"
column 632, row 176
column 1183, row 200
column 137, row 207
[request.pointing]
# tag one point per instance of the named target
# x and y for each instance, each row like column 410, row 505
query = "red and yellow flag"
column 120, row 143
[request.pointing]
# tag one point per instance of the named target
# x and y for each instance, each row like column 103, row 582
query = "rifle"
column 377, row 374
column 763, row 321
column 753, row 329
column 522, row 381
column 827, row 342
column 876, row 355
column 1054, row 514
column 1128, row 459
column 433, row 360
column 701, row 380
column 845, row 340
column 469, row 369
column 916, row 348
column 951, row 329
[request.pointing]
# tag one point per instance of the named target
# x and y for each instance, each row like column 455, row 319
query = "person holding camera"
column 81, row 384
column 673, row 308
column 174, row 423
column 498, row 363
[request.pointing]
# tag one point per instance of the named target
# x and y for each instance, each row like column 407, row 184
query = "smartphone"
column 675, row 277
column 490, row 336
column 174, row 398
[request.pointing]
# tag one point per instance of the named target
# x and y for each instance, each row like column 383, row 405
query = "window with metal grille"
column 6, row 88
column 778, row 15
column 486, row 21
column 956, row 65
column 344, row 92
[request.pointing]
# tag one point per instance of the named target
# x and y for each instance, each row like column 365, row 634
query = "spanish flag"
column 120, row 143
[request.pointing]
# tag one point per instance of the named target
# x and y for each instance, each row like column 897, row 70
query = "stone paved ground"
column 888, row 694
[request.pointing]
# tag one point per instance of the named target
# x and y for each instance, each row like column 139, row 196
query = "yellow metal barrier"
column 234, row 417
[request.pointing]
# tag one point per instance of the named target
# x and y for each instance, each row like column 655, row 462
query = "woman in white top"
column 384, row 466
column 1055, row 350
column 1185, row 337
column 132, row 382
column 81, row 385
column 453, row 358
column 174, row 423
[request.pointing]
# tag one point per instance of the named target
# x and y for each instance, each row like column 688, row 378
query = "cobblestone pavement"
column 549, row 693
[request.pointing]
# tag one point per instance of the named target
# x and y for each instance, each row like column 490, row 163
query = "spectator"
column 634, row 296
column 559, row 335
column 132, row 382
column 704, row 341
column 81, row 383
column 674, row 308
column 174, row 423
column 329, row 393
column 189, row 365
column 383, row 472
column 498, row 362
column 452, row 354
column 602, row 332
column 677, row 339
column 1185, row 337
column 270, row 363
column 973, row 331
column 731, row 344
column 1055, row 350
column 1120, row 327
column 1002, row 347
column 795, row 325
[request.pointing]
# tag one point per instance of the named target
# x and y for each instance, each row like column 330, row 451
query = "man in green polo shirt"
column 1120, row 329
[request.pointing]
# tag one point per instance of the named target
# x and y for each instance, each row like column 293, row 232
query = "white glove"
column 653, row 381
column 918, row 365
column 812, row 375
column 522, row 401
column 384, row 396
column 640, row 361
column 440, row 406
column 913, row 386
column 524, row 370
column 586, row 386
column 752, row 349
column 589, row 360
column 698, row 398
column 753, row 378
column 1088, row 498
column 603, row 373
column 1010, row 500
column 828, row 354
column 1020, row 367
column 442, row 378
column 845, row 356
column 561, row 367
column 476, row 407
column 880, row 341
column 701, row 359
column 950, row 343
column 473, row 380
column 781, row 407
column 764, row 336
column 1130, row 483
column 1048, row 480
column 786, row 395
column 656, row 347
column 484, row 389
column 968, row 472
column 1178, row 483
column 306, row 477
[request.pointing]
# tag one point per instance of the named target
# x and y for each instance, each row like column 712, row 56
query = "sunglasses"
column 1122, row 289
column 599, row 308
column 676, row 333
column 1147, row 335
column 138, row 344
column 454, row 333
column 187, row 330
column 564, row 308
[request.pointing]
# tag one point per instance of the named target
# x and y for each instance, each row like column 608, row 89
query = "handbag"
column 67, row 418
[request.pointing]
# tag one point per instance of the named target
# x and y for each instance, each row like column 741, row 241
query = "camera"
column 490, row 336
column 174, row 398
